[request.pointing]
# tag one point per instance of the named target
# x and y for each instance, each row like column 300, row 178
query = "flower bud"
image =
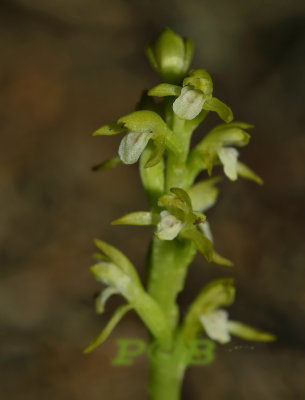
column 170, row 56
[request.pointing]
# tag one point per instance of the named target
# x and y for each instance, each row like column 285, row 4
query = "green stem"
column 165, row 376
column 176, row 169
column 168, row 268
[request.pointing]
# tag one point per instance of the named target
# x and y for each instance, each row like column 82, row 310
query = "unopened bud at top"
column 170, row 55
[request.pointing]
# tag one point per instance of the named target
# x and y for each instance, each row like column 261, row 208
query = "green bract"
column 159, row 134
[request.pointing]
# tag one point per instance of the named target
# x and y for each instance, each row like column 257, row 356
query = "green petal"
column 203, row 245
column 174, row 205
column 248, row 333
column 110, row 129
column 183, row 196
column 118, row 258
column 200, row 79
column 164, row 89
column 188, row 53
column 108, row 164
column 224, row 112
column 247, row 173
column 135, row 218
column 115, row 319
column 204, row 194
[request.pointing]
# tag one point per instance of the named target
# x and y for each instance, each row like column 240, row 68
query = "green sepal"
column 102, row 298
column 151, row 58
column 246, row 332
column 216, row 294
column 114, row 320
column 118, row 258
column 165, row 89
column 143, row 121
column 225, row 135
column 188, row 53
column 220, row 260
column 108, row 164
column 110, row 129
column 247, row 173
column 203, row 244
column 204, row 194
column 200, row 79
column 135, row 218
column 224, row 112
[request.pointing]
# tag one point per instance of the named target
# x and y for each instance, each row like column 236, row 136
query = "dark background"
column 68, row 67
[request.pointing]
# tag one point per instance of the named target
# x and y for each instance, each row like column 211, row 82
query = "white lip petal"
column 189, row 104
column 132, row 146
column 216, row 325
column 228, row 157
column 169, row 226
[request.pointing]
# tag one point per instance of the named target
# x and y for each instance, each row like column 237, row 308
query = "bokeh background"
column 68, row 67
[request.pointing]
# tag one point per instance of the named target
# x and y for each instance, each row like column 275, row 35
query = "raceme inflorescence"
column 180, row 187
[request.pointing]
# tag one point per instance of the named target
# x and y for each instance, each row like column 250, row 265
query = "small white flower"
column 189, row 104
column 132, row 146
column 216, row 325
column 169, row 226
column 228, row 157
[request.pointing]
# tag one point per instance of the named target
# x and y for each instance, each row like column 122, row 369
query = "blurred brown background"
column 68, row 67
